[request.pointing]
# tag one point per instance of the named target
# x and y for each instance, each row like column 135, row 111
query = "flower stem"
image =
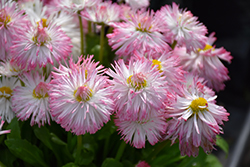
column 120, row 151
column 82, row 33
column 102, row 36
column 89, row 27
column 173, row 44
column 78, row 148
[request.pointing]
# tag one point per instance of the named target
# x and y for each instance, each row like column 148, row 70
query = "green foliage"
column 26, row 151
column 220, row 142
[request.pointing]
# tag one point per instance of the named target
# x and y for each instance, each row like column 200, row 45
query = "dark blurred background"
column 230, row 20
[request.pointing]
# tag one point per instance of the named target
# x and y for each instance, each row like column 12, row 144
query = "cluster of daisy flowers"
column 161, row 85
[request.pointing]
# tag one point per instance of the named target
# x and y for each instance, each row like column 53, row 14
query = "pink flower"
column 32, row 100
column 141, row 31
column 196, row 118
column 182, row 27
column 137, row 131
column 142, row 164
column 105, row 12
column 207, row 63
column 81, row 103
column 40, row 45
column 12, row 22
column 1, row 125
column 138, row 89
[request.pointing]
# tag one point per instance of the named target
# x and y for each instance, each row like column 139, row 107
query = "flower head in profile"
column 40, row 45
column 1, row 125
column 7, row 85
column 32, row 100
column 196, row 119
column 138, row 89
column 182, row 27
column 10, row 68
column 81, row 103
column 12, row 22
column 207, row 63
column 138, row 131
column 140, row 31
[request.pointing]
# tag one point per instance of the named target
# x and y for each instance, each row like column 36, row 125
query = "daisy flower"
column 137, row 132
column 138, row 89
column 105, row 12
column 1, row 125
column 40, row 45
column 207, row 63
column 183, row 27
column 81, row 103
column 196, row 118
column 7, row 84
column 32, row 100
column 141, row 31
column 12, row 22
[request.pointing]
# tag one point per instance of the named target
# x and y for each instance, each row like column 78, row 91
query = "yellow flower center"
column 43, row 21
column 157, row 63
column 143, row 29
column 199, row 104
column 207, row 47
column 4, row 18
column 137, row 81
column 83, row 93
column 7, row 91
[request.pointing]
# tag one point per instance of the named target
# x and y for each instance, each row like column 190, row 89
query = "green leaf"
column 58, row 147
column 15, row 129
column 26, row 151
column 213, row 161
column 111, row 162
column 220, row 142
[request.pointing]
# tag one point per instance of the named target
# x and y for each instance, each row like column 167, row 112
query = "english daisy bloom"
column 138, row 89
column 105, row 12
column 196, row 118
column 137, row 4
column 81, row 104
column 141, row 31
column 12, row 22
column 207, row 63
column 32, row 100
column 137, row 132
column 7, row 84
column 183, row 27
column 40, row 45
column 1, row 125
